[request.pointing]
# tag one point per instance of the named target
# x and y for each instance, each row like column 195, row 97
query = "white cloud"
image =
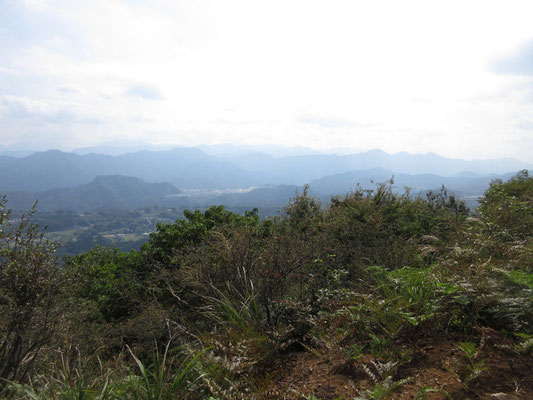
column 519, row 63
column 145, row 91
column 47, row 111
column 69, row 88
column 412, row 75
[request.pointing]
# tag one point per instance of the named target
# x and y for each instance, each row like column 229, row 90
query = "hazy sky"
column 452, row 77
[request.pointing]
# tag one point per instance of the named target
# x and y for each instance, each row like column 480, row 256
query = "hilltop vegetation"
column 376, row 295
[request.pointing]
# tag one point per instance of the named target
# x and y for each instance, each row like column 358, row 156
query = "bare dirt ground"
column 435, row 366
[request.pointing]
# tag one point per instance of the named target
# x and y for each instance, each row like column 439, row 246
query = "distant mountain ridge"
column 306, row 168
column 188, row 167
column 463, row 183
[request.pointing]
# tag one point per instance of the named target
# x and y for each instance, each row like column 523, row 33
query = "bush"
column 379, row 227
column 30, row 291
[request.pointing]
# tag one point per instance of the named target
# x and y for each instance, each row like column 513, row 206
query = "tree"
column 508, row 207
column 171, row 239
column 110, row 280
column 30, row 287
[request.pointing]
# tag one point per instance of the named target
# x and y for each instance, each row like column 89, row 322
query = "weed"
column 423, row 392
column 379, row 345
column 526, row 345
column 521, row 278
column 472, row 366
column 382, row 389
column 380, row 370
column 354, row 352
column 313, row 397
column 165, row 380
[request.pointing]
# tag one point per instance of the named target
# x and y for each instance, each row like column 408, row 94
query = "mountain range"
column 62, row 180
column 187, row 167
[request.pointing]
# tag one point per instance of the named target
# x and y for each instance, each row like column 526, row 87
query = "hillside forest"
column 375, row 294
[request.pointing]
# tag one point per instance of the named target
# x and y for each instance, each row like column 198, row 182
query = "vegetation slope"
column 376, row 295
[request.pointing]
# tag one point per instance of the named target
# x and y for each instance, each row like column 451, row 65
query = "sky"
column 450, row 77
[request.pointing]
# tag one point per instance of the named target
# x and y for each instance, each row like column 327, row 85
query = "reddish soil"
column 432, row 363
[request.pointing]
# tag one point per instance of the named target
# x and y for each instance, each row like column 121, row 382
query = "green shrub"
column 31, row 288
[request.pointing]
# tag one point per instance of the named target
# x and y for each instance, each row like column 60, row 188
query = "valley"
column 117, row 200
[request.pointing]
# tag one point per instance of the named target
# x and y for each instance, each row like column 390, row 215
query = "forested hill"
column 107, row 191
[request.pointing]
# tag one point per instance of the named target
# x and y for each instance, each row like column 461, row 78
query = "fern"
column 383, row 389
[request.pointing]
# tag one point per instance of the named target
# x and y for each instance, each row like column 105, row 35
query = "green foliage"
column 166, row 379
column 67, row 383
column 423, row 297
column 172, row 239
column 172, row 375
column 232, row 308
column 43, row 388
column 30, row 289
column 472, row 366
column 109, row 280
column 526, row 344
column 382, row 389
column 303, row 212
column 382, row 228
column 506, row 206
column 521, row 277
column 355, row 281
column 424, row 391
